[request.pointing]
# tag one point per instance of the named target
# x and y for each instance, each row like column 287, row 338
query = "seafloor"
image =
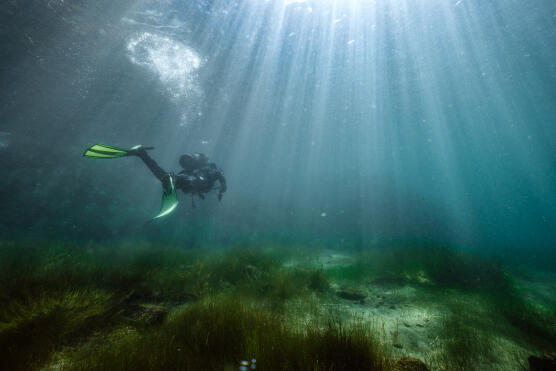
column 138, row 306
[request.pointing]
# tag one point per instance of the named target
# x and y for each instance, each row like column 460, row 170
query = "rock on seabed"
column 350, row 293
column 410, row 364
column 546, row 362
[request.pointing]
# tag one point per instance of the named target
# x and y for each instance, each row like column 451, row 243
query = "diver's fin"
column 105, row 151
column 169, row 199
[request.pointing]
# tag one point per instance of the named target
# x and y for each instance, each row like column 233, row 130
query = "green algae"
column 68, row 307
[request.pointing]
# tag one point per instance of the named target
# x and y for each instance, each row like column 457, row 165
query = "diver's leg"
column 158, row 172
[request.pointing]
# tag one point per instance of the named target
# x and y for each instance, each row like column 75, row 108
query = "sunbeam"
column 277, row 184
column 428, row 119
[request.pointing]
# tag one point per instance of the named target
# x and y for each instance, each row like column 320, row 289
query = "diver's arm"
column 185, row 182
column 158, row 172
column 222, row 181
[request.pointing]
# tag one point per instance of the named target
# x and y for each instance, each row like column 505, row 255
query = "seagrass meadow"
column 390, row 198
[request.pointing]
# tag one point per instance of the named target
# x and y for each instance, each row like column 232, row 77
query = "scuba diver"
column 197, row 177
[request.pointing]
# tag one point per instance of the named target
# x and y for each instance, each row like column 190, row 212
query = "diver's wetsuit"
column 196, row 181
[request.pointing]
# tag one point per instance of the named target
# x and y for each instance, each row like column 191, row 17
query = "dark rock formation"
column 546, row 362
column 351, row 293
column 409, row 364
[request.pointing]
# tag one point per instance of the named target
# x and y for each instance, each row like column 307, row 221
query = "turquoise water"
column 391, row 184
column 335, row 122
